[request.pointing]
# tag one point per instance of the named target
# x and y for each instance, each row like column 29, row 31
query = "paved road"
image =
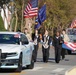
column 50, row 68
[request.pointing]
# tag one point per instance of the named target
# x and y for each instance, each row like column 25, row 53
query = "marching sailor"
column 57, row 43
column 46, row 39
column 35, row 38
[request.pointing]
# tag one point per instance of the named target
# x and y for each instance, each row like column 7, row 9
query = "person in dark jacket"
column 57, row 42
column 35, row 38
column 46, row 39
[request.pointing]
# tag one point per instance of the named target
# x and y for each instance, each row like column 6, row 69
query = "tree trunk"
column 22, row 16
column 29, row 24
column 16, row 21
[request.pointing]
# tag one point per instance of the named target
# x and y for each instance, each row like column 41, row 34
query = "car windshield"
column 71, row 31
column 9, row 39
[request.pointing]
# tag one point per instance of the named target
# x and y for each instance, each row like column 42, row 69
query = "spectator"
column 27, row 34
column 66, row 39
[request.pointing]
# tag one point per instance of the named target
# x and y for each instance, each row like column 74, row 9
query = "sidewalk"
column 71, row 71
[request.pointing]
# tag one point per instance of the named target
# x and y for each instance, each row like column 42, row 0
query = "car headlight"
column 12, row 54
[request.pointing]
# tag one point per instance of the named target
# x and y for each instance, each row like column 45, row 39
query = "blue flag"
column 42, row 13
column 41, row 16
column 34, row 3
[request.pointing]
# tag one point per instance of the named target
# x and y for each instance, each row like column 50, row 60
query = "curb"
column 71, row 71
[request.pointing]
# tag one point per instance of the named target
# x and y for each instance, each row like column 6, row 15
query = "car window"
column 9, row 39
column 24, row 39
column 71, row 31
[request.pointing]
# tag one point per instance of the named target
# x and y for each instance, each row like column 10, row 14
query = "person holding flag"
column 46, row 39
column 36, row 39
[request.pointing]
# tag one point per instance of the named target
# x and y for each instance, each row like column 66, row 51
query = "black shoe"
column 34, row 60
column 57, row 61
column 63, row 58
column 46, row 61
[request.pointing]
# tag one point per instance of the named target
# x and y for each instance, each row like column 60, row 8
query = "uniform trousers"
column 45, row 54
column 63, row 53
column 35, row 52
column 57, row 54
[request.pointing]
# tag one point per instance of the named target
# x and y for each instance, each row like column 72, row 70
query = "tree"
column 3, row 2
column 1, row 24
column 60, row 13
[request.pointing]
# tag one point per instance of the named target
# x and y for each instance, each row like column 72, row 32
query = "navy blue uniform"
column 57, row 42
column 36, row 40
column 45, row 49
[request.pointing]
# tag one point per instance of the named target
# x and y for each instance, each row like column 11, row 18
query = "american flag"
column 31, row 9
column 69, row 46
column 73, row 24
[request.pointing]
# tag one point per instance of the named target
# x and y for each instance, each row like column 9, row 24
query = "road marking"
column 17, row 73
column 58, row 70
column 35, row 69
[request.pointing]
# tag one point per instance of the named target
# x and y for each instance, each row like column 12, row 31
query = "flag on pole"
column 69, row 46
column 38, row 22
column 31, row 9
column 73, row 24
column 41, row 16
column 42, row 13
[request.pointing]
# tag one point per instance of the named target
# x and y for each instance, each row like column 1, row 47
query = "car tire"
column 19, row 69
column 31, row 66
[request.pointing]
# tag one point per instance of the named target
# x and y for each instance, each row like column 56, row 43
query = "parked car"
column 71, row 32
column 16, row 51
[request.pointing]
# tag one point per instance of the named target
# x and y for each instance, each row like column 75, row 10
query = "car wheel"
column 19, row 69
column 31, row 66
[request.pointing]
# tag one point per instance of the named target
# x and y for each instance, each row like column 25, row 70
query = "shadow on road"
column 50, row 60
column 13, row 71
column 73, row 54
column 7, row 71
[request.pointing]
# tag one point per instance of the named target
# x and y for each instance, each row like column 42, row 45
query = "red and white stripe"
column 73, row 25
column 30, row 12
column 71, row 45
